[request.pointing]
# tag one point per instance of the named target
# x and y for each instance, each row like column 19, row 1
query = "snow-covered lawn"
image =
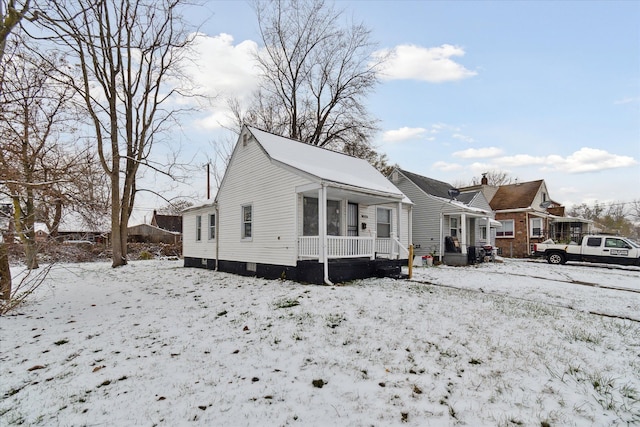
column 154, row 343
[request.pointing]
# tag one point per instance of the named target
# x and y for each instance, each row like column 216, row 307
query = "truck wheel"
column 556, row 258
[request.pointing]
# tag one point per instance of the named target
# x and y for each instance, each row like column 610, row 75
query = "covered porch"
column 466, row 234
column 339, row 222
column 568, row 229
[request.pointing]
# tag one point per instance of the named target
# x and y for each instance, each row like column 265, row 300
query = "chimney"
column 484, row 180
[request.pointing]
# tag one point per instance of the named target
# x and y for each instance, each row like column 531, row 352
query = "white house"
column 286, row 209
column 442, row 214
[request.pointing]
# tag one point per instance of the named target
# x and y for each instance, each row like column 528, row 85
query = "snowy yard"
column 153, row 343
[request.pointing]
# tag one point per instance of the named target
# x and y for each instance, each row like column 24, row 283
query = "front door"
column 352, row 219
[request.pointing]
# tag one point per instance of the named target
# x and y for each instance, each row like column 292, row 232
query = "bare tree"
column 367, row 152
column 127, row 53
column 316, row 73
column 494, row 178
column 175, row 207
column 33, row 111
column 11, row 13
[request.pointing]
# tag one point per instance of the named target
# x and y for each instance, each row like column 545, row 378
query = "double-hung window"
column 453, row 227
column 212, row 226
column 536, row 227
column 247, row 221
column 198, row 228
column 383, row 223
column 506, row 230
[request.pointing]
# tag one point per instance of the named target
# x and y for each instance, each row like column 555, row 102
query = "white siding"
column 426, row 217
column 204, row 248
column 252, row 179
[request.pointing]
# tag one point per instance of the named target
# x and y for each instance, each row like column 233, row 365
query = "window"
column 536, row 227
column 616, row 243
column 594, row 241
column 453, row 227
column 383, row 221
column 483, row 233
column 198, row 228
column 333, row 217
column 506, row 230
column 212, row 226
column 246, row 222
column 310, row 217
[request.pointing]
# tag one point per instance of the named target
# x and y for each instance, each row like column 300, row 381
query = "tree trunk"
column 24, row 223
column 5, row 273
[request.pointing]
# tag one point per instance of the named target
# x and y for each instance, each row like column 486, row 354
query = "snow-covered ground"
column 154, row 343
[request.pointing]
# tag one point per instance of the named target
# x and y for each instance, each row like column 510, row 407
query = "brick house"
column 528, row 215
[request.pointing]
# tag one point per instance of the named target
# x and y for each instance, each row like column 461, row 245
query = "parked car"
column 598, row 248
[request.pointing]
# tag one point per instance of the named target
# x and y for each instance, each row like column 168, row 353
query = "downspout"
column 217, row 236
column 526, row 230
column 441, row 242
column 323, row 233
column 398, row 236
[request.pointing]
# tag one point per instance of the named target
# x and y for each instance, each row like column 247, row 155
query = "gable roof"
column 515, row 196
column 438, row 188
column 323, row 164
column 171, row 223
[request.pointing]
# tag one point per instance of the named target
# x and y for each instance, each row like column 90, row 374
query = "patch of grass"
column 334, row 320
column 583, row 335
column 286, row 303
column 145, row 255
column 61, row 342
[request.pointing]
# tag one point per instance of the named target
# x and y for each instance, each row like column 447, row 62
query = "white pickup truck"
column 606, row 249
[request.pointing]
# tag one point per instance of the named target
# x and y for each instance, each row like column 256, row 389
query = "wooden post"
column 410, row 260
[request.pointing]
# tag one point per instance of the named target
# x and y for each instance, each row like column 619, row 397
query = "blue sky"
column 541, row 90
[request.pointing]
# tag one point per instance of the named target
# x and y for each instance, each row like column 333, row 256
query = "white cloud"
column 628, row 100
column 584, row 160
column 521, row 160
column 478, row 153
column 220, row 69
column 447, row 167
column 434, row 65
column 403, row 134
column 592, row 160
column 463, row 137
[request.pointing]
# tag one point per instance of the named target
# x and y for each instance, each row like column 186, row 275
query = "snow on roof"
column 200, row 205
column 324, row 164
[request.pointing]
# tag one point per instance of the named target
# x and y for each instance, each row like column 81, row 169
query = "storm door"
column 352, row 219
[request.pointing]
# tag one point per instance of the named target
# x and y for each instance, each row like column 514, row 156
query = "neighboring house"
column 171, row 223
column 41, row 231
column 528, row 215
column 442, row 214
column 286, row 209
column 146, row 233
column 75, row 227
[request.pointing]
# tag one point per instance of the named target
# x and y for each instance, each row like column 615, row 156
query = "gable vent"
column 245, row 139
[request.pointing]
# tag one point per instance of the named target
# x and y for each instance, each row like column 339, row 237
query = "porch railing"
column 337, row 247
column 390, row 246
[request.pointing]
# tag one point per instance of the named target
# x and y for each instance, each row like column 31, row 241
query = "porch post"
column 322, row 230
column 463, row 233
